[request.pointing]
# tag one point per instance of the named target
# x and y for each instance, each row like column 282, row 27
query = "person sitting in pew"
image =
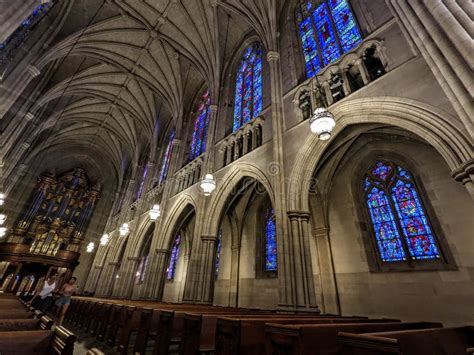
column 64, row 301
column 43, row 297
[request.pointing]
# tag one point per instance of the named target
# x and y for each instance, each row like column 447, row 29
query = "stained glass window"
column 327, row 30
column 218, row 253
column 270, row 241
column 141, row 187
column 401, row 227
column 198, row 141
column 167, row 158
column 174, row 255
column 14, row 41
column 248, row 86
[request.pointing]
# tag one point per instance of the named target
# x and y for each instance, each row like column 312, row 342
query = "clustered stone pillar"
column 301, row 256
column 330, row 301
column 205, row 285
column 158, row 265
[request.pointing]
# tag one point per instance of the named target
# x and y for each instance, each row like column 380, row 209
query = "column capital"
column 33, row 71
column 322, row 231
column 176, row 142
column 208, row 238
column 133, row 258
column 273, row 56
column 464, row 171
column 162, row 251
column 298, row 215
column 213, row 108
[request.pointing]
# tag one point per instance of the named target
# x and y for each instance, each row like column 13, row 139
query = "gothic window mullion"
column 409, row 258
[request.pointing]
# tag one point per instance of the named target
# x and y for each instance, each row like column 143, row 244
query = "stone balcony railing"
column 351, row 72
column 243, row 141
column 188, row 175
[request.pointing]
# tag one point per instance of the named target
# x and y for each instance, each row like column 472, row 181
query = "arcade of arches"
column 111, row 107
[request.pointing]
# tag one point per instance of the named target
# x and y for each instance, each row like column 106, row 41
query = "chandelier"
column 322, row 123
column 3, row 218
column 154, row 213
column 123, row 230
column 90, row 247
column 104, row 239
column 208, row 184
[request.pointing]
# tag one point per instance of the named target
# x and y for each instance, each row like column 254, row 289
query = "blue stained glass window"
column 327, row 30
column 218, row 253
column 270, row 241
column 142, row 182
column 201, row 124
column 167, row 158
column 248, row 86
column 171, row 270
column 14, row 41
column 398, row 218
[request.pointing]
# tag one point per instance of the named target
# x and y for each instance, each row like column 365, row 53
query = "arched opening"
column 179, row 251
column 246, row 249
column 350, row 276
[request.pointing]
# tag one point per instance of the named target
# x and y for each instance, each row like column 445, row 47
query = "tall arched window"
column 399, row 221
column 167, row 158
column 144, row 257
column 16, row 39
column 327, row 30
column 248, row 86
column 218, row 253
column 270, row 241
column 174, row 255
column 198, row 142
column 141, row 186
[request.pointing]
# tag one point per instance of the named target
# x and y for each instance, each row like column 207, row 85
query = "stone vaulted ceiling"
column 122, row 71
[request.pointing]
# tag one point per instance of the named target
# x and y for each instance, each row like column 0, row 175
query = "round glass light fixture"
column 104, row 239
column 3, row 231
column 2, row 198
column 154, row 213
column 123, row 230
column 208, row 184
column 322, row 123
column 90, row 247
column 3, row 218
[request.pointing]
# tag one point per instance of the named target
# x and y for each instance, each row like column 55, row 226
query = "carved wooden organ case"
column 58, row 213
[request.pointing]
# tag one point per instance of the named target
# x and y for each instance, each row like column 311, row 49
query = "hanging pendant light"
column 124, row 230
column 3, row 218
column 322, row 123
column 208, row 184
column 154, row 213
column 2, row 198
column 104, row 239
column 3, row 232
column 90, row 247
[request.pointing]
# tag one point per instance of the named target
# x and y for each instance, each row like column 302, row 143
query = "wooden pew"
column 93, row 316
column 113, row 326
column 323, row 338
column 44, row 323
column 200, row 329
column 101, row 323
column 247, row 335
column 15, row 313
column 47, row 342
column 437, row 341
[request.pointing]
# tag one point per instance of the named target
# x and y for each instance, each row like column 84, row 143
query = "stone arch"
column 451, row 141
column 146, row 227
column 221, row 196
column 173, row 219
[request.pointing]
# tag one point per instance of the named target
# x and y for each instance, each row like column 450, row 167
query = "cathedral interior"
column 283, row 155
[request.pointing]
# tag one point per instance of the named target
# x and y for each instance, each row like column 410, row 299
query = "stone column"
column 439, row 32
column 234, row 276
column 303, row 271
column 286, row 275
column 329, row 293
column 363, row 71
column 157, row 271
column 205, row 284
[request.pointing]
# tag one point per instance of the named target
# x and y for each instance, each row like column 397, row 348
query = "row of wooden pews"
column 24, row 330
column 145, row 327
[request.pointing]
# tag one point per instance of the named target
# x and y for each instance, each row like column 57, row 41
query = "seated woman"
column 63, row 302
